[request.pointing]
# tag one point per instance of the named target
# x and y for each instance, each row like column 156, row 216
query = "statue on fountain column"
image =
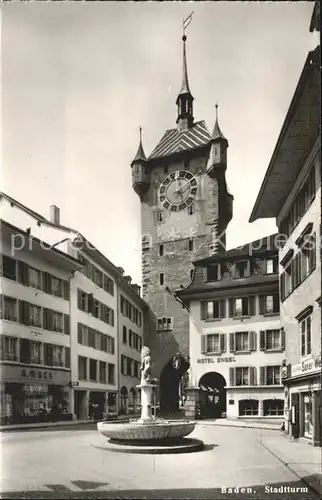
column 145, row 368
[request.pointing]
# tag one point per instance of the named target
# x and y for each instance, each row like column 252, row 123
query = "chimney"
column 128, row 279
column 120, row 270
column 54, row 214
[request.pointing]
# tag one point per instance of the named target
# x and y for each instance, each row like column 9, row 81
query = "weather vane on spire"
column 185, row 24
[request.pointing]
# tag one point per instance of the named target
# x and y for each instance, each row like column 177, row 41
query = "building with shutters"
column 236, row 342
column 35, row 336
column 291, row 192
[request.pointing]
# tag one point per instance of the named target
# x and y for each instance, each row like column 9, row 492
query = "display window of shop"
column 36, row 399
column 34, row 278
column 8, row 348
column 308, row 423
column 9, row 308
column 248, row 407
column 34, row 315
column 305, row 328
column 273, row 407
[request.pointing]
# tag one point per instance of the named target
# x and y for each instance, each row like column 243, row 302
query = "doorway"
column 214, row 404
column 170, row 384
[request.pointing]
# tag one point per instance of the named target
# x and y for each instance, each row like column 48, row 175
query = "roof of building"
column 297, row 137
column 86, row 246
column 315, row 19
column 140, row 155
column 185, row 84
column 175, row 142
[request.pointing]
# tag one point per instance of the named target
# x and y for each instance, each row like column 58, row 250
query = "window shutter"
column 67, row 357
column 112, row 317
column 252, row 375
column 282, row 286
column 253, row 341
column 1, row 306
column 232, row 342
column 23, row 273
column 79, row 298
column 251, row 306
column 232, row 376
column 262, row 341
column 262, row 304
column 66, row 324
column 282, row 338
column 293, row 268
column 50, row 319
column 262, row 376
column 203, row 310
column 222, row 342
column 23, row 312
column 222, row 308
column 66, row 290
column 231, row 307
column 203, row 339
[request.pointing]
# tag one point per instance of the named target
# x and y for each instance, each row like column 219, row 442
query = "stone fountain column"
column 147, row 391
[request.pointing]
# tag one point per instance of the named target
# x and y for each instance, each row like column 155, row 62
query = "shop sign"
column 25, row 374
column 226, row 359
column 36, row 374
column 308, row 366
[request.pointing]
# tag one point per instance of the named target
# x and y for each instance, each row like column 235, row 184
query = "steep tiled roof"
column 23, row 207
column 174, row 142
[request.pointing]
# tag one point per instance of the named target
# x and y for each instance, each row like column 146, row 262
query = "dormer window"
column 242, row 269
column 213, row 272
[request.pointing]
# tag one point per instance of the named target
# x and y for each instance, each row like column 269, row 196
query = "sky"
column 78, row 79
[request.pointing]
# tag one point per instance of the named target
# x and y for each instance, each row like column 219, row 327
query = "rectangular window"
column 273, row 375
column 10, row 309
column 242, row 341
column 9, row 268
column 111, row 373
column 161, row 278
column 34, row 278
column 161, row 250
column 242, row 376
column 24, row 346
column 56, row 321
column 130, row 338
column 96, row 308
column 102, row 368
column 124, row 335
column 269, row 304
column 93, row 370
column 242, row 269
column 165, row 324
column 82, row 300
column 56, row 286
column 35, row 352
column 273, row 339
column 273, row 407
column 136, row 369
column 123, row 362
column 129, row 367
column 213, row 343
column 242, row 306
column 34, row 315
column 213, row 272
column 305, row 326
column 248, row 407
column 215, row 309
column 271, row 265
column 82, row 368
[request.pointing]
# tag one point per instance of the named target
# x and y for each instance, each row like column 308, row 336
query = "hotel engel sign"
column 308, row 366
column 219, row 359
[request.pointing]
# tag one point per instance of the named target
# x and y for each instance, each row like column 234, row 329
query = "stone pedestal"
column 192, row 401
column 147, row 393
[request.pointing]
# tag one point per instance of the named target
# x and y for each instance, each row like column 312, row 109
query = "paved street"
column 69, row 463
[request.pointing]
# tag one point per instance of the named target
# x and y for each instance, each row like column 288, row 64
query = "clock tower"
column 185, row 209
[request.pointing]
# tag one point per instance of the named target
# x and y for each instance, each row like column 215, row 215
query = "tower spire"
column 140, row 155
column 185, row 99
column 217, row 133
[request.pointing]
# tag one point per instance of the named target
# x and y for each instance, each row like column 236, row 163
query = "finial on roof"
column 185, row 99
column 140, row 155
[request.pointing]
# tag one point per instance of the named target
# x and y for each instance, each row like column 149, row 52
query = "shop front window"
column 248, row 407
column 308, row 425
column 273, row 407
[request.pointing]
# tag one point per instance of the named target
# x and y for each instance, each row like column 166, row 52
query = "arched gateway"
column 170, row 379
column 214, row 395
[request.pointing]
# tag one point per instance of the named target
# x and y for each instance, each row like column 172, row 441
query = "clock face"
column 178, row 190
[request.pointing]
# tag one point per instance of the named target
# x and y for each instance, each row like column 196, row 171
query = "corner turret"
column 140, row 172
column 218, row 150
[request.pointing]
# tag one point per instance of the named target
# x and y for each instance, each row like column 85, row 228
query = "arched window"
column 248, row 407
column 273, row 407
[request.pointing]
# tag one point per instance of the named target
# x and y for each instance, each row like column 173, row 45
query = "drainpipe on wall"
column 118, row 358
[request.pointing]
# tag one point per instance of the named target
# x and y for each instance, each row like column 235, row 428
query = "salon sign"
column 308, row 366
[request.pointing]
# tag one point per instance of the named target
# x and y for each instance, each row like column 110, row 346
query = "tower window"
column 190, row 210
column 186, row 164
column 160, row 216
column 161, row 250
column 161, row 278
column 190, row 245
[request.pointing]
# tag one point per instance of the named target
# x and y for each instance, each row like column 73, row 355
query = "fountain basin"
column 153, row 430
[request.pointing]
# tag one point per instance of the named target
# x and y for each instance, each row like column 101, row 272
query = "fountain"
column 149, row 434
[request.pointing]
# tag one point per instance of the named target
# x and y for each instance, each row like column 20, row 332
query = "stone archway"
column 214, row 401
column 170, row 379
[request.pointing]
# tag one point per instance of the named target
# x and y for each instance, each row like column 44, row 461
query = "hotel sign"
column 226, row 359
column 308, row 366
